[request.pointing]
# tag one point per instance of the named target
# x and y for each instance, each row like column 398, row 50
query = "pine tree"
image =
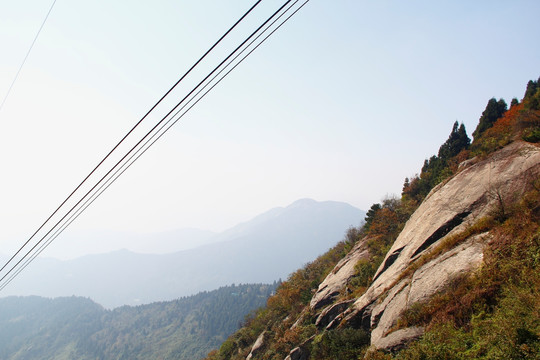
column 370, row 215
column 532, row 86
column 532, row 95
column 457, row 141
column 494, row 110
column 514, row 102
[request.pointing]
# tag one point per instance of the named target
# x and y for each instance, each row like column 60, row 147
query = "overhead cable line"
column 26, row 56
column 134, row 157
column 132, row 130
column 125, row 164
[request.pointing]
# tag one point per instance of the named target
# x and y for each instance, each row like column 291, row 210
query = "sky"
column 342, row 103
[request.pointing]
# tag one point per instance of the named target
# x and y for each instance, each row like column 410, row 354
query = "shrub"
column 344, row 343
column 531, row 135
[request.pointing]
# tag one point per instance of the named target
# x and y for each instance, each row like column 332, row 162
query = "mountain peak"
column 303, row 202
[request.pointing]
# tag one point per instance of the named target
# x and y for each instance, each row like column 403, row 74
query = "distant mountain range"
column 265, row 249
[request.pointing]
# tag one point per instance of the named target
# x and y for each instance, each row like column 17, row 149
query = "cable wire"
column 131, row 131
column 155, row 137
column 26, row 56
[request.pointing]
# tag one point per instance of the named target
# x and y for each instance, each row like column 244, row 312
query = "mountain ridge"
column 248, row 253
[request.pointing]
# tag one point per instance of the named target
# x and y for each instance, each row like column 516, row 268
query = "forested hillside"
column 463, row 239
column 77, row 328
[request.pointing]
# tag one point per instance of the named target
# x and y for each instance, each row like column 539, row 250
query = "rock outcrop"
column 257, row 346
column 399, row 339
column 331, row 312
column 481, row 188
column 338, row 278
column 297, row 354
column 300, row 352
column 443, row 241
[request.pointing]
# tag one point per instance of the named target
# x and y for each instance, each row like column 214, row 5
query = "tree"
column 514, row 102
column 532, row 95
column 494, row 110
column 457, row 141
column 532, row 87
column 370, row 214
column 437, row 168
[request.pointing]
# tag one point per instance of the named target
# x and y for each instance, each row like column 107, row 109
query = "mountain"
column 78, row 328
column 450, row 270
column 264, row 249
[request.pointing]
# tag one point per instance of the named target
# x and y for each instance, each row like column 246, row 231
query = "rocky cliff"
column 444, row 239
column 463, row 238
column 435, row 247
column 481, row 188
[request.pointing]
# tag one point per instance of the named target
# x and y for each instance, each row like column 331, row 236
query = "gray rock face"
column 331, row 312
column 431, row 278
column 336, row 281
column 297, row 354
column 476, row 191
column 300, row 352
column 398, row 339
column 426, row 282
column 257, row 346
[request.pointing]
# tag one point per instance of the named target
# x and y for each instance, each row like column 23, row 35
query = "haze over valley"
column 263, row 250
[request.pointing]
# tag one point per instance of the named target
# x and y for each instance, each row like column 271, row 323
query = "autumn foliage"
column 517, row 123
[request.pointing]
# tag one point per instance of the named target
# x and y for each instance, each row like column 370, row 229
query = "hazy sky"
column 341, row 104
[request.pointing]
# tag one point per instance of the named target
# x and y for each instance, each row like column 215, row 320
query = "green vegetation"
column 77, row 328
column 493, row 112
column 283, row 309
column 532, row 95
column 521, row 121
column 438, row 167
column 344, row 343
column 380, row 233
